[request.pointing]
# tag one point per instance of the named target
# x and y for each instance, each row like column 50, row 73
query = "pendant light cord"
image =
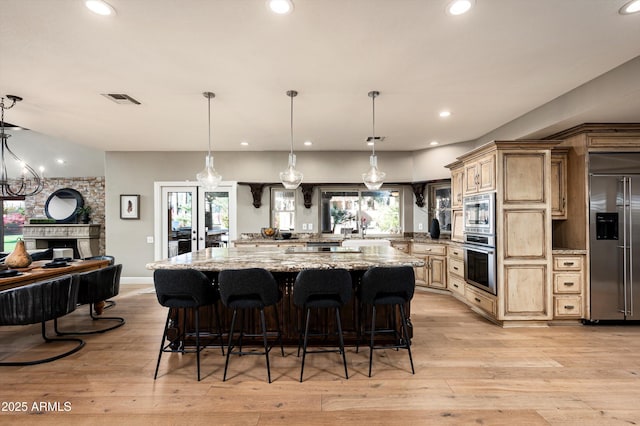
column 292, row 95
column 373, row 130
column 209, row 110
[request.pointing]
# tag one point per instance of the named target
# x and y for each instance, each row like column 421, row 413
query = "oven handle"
column 488, row 250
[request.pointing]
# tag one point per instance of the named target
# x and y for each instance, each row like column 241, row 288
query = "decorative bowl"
column 269, row 232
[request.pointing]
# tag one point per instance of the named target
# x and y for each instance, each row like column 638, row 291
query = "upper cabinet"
column 559, row 184
column 457, row 184
column 480, row 174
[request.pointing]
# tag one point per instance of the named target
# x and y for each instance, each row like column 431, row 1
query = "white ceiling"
column 489, row 67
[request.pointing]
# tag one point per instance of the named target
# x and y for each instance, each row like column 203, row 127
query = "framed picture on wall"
column 129, row 206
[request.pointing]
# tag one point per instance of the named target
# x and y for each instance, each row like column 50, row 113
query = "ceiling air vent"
column 120, row 98
column 378, row 139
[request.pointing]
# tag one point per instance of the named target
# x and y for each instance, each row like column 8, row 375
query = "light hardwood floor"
column 468, row 371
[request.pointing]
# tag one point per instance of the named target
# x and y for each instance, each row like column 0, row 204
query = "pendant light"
column 373, row 178
column 208, row 177
column 291, row 178
column 25, row 182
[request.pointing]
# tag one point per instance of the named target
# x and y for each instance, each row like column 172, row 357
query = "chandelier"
column 374, row 178
column 26, row 181
column 208, row 177
column 291, row 177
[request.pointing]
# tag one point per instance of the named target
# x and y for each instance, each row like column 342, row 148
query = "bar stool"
column 249, row 289
column 322, row 289
column 393, row 286
column 185, row 289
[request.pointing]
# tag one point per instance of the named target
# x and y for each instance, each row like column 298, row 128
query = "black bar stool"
column 393, row 286
column 322, row 289
column 249, row 289
column 185, row 289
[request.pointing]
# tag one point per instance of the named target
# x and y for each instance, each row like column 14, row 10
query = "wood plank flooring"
column 468, row 371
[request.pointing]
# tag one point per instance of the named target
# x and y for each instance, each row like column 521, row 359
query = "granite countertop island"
column 280, row 259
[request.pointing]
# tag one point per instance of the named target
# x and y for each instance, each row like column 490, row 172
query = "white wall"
column 136, row 172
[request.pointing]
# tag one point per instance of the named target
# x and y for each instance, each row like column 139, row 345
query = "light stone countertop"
column 276, row 259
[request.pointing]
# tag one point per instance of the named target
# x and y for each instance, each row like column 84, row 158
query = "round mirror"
column 62, row 205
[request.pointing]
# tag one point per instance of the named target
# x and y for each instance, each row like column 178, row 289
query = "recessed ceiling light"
column 445, row 114
column 100, row 7
column 433, row 143
column 459, row 7
column 41, row 168
column 308, row 143
column 244, row 143
column 281, row 7
column 630, row 7
column 60, row 161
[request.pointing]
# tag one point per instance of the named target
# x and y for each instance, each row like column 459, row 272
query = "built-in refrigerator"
column 614, row 235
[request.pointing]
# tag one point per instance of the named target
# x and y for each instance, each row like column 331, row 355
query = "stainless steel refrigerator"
column 614, row 236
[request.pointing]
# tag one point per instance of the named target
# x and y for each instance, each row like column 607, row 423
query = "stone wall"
column 92, row 190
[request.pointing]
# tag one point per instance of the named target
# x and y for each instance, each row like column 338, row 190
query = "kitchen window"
column 283, row 209
column 361, row 212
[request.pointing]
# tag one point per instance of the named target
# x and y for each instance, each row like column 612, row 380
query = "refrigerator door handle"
column 630, row 259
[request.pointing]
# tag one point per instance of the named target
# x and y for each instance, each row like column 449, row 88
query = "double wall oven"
column 480, row 241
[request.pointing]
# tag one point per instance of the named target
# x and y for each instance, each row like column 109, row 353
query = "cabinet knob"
column 477, row 300
column 455, row 267
column 568, row 284
column 569, row 307
column 455, row 285
column 568, row 263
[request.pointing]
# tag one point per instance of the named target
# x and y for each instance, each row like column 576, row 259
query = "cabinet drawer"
column 567, row 306
column 567, row 263
column 567, row 282
column 430, row 249
column 403, row 247
column 456, row 285
column 456, row 267
column 457, row 252
column 476, row 298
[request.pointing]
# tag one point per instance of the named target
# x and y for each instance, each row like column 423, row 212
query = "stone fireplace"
column 83, row 239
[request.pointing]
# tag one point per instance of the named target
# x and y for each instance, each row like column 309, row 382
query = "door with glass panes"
column 192, row 218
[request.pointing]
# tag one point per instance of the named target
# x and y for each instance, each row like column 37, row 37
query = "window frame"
column 272, row 207
column 360, row 190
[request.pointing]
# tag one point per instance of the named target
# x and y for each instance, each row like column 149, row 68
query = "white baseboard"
column 136, row 280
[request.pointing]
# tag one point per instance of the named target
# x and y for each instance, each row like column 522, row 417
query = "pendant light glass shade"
column 374, row 178
column 209, row 178
column 291, row 178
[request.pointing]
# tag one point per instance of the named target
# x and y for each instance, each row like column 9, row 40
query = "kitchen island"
column 284, row 264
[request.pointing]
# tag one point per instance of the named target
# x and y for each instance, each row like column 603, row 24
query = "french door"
column 189, row 218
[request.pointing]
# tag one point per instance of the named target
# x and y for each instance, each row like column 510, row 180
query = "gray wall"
column 136, row 172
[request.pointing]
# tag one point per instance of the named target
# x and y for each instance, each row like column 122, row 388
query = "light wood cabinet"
column 559, row 185
column 455, row 270
column 568, row 286
column 402, row 246
column 434, row 272
column 480, row 174
column 457, row 226
column 457, row 186
column 480, row 299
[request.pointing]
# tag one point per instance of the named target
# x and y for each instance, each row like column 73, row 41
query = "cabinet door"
column 457, row 182
column 421, row 274
column 558, row 186
column 471, row 178
column 437, row 272
column 457, row 227
column 487, row 173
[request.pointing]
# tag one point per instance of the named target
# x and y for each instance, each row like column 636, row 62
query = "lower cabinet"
column 434, row 272
column 455, row 270
column 480, row 299
column 568, row 286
